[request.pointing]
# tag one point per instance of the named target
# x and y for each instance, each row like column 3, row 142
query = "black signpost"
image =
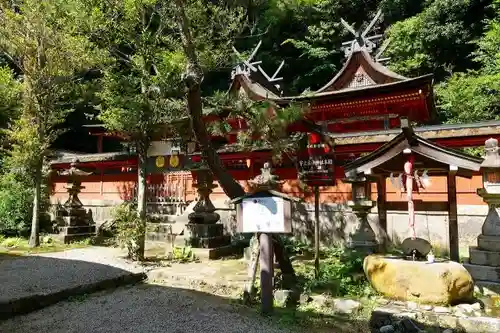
column 317, row 168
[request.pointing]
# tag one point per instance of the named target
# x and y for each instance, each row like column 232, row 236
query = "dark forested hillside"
column 456, row 40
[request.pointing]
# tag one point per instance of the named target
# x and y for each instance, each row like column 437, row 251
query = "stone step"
column 489, row 243
column 163, row 238
column 209, row 242
column 483, row 273
column 73, row 237
column 482, row 257
column 488, row 288
column 82, row 229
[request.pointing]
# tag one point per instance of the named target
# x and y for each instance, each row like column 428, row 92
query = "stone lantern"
column 491, row 168
column 204, row 231
column 362, row 236
column 484, row 262
column 72, row 219
column 491, row 188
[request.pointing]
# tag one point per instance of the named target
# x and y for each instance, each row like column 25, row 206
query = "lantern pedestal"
column 484, row 261
column 363, row 237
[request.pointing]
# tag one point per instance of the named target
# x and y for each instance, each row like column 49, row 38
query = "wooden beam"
column 425, row 206
column 452, row 216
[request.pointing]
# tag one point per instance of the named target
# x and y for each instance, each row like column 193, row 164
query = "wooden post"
column 266, row 264
column 99, row 144
column 316, row 231
column 381, row 202
column 452, row 216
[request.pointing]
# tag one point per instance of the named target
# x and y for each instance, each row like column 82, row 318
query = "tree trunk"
column 193, row 78
column 37, row 197
column 141, row 201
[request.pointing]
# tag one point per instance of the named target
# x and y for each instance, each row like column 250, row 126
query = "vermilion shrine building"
column 361, row 108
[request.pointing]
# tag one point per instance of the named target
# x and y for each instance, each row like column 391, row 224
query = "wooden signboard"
column 264, row 213
column 317, row 170
column 316, row 164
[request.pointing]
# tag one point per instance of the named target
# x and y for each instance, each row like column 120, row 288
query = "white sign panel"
column 263, row 214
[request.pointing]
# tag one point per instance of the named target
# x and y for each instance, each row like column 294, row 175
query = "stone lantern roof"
column 492, row 156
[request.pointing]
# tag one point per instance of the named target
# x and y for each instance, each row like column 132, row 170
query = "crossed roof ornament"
column 247, row 66
column 361, row 41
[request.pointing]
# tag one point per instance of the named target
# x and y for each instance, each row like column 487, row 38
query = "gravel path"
column 143, row 309
column 51, row 272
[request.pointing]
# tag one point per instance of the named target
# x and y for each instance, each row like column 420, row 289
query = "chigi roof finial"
column 248, row 66
column 361, row 41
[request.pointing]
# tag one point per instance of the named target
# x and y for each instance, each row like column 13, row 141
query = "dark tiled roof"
column 66, row 157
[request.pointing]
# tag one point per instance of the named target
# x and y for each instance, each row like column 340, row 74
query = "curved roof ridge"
column 374, row 66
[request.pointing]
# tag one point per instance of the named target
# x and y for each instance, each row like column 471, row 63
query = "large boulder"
column 430, row 283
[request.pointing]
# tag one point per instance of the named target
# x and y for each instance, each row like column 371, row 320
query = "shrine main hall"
column 374, row 120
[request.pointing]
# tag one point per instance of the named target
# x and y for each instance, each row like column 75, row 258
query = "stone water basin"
column 439, row 283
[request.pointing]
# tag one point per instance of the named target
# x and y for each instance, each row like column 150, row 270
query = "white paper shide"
column 263, row 214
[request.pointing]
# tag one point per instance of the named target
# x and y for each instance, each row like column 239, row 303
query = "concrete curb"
column 35, row 302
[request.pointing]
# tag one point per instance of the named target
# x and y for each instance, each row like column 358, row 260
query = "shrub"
column 182, row 254
column 129, row 228
column 15, row 207
column 340, row 274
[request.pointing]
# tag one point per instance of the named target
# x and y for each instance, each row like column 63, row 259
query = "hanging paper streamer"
column 408, row 168
column 406, row 182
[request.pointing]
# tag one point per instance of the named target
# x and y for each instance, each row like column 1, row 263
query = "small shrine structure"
column 415, row 158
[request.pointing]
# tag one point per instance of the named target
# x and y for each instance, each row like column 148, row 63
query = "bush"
column 16, row 205
column 129, row 228
column 182, row 254
column 16, row 201
column 340, row 274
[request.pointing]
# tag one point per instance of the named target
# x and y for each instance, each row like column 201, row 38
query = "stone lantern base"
column 363, row 238
column 72, row 226
column 207, row 236
column 484, row 261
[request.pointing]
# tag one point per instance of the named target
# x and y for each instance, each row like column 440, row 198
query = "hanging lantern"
column 249, row 162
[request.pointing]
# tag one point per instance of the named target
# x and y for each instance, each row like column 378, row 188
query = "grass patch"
column 19, row 246
column 320, row 320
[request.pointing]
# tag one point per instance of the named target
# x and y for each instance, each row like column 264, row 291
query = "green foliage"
column 340, row 274
column 15, row 206
column 141, row 88
column 129, row 228
column 182, row 254
column 267, row 123
column 10, row 93
column 438, row 39
column 295, row 246
column 475, row 95
column 20, row 246
column 40, row 40
column 470, row 97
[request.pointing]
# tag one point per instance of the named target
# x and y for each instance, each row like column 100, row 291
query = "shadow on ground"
column 140, row 308
column 31, row 282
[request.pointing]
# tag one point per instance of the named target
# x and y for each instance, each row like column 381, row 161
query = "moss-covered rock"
column 430, row 283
